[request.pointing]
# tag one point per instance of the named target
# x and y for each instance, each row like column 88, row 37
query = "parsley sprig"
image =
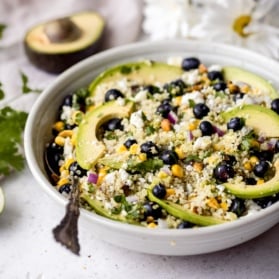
column 12, row 123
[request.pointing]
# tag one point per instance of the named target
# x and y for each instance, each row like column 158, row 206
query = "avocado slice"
column 99, row 209
column 256, row 191
column 236, row 74
column 89, row 149
column 184, row 214
column 263, row 120
column 55, row 45
column 144, row 73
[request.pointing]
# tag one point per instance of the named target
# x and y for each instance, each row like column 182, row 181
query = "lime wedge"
column 2, row 200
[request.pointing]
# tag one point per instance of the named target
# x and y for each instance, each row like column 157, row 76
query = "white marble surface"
column 29, row 251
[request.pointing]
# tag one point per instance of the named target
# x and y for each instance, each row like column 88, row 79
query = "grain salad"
column 181, row 151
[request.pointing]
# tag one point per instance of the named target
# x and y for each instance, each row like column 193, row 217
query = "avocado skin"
column 57, row 63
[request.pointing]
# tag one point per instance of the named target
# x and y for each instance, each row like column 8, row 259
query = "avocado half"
column 143, row 73
column 236, row 74
column 263, row 120
column 56, row 45
column 89, row 149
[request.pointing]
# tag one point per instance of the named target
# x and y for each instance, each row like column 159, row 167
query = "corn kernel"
column 233, row 88
column 101, row 175
column 213, row 203
column 177, row 100
column 260, row 181
column 193, row 125
column 180, row 153
column 198, row 166
column 170, row 192
column 122, row 148
column 65, row 133
column 59, row 140
column 177, row 170
column 134, row 149
column 74, row 139
column 59, row 126
column 202, row 68
column 254, row 160
column 255, row 143
column 149, row 219
column 224, row 206
column 248, row 166
column 68, row 163
column 162, row 174
column 90, row 108
column 245, row 89
column 62, row 181
column 152, row 225
column 166, row 125
column 142, row 157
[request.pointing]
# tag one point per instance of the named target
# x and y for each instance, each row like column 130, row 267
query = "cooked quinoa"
column 174, row 145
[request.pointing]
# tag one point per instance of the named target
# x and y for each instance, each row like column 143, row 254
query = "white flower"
column 165, row 19
column 240, row 22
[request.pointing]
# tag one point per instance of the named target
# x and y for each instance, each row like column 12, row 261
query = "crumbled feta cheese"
column 141, row 95
column 196, row 96
column 136, row 119
column 191, row 77
column 202, row 143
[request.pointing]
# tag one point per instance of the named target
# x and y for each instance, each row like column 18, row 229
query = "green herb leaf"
column 149, row 130
column 145, row 166
column 25, row 87
column 2, row 28
column 191, row 103
column 2, row 93
column 12, row 123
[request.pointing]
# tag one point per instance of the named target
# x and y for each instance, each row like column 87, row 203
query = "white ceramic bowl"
column 154, row 241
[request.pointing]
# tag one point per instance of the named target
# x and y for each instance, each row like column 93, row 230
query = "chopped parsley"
column 2, row 28
column 25, row 87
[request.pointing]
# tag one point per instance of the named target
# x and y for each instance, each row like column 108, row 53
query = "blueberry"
column 206, row 128
column 113, row 94
column 229, row 159
column 266, row 201
column 265, row 155
column 250, row 181
column 114, row 124
column 149, row 148
column 66, row 188
column 169, row 157
column 152, row 89
column 235, row 124
column 76, row 170
column 152, row 209
column 200, row 110
column 237, row 206
column 220, row 86
column 175, row 87
column 223, row 172
column 215, row 75
column 164, row 109
column 261, row 168
column 190, row 63
column 159, row 191
column 185, row 225
column 275, row 105
column 276, row 146
column 129, row 142
column 238, row 96
column 68, row 101
column 53, row 155
column 166, row 101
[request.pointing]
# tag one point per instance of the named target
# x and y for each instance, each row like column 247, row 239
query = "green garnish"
column 12, row 123
column 2, row 28
column 2, row 93
column 25, row 87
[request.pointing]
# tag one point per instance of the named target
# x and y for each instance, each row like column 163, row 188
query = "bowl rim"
column 116, row 225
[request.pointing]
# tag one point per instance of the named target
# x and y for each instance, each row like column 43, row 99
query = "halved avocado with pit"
column 89, row 148
column 182, row 213
column 263, row 120
column 56, row 45
column 142, row 73
column 236, row 74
